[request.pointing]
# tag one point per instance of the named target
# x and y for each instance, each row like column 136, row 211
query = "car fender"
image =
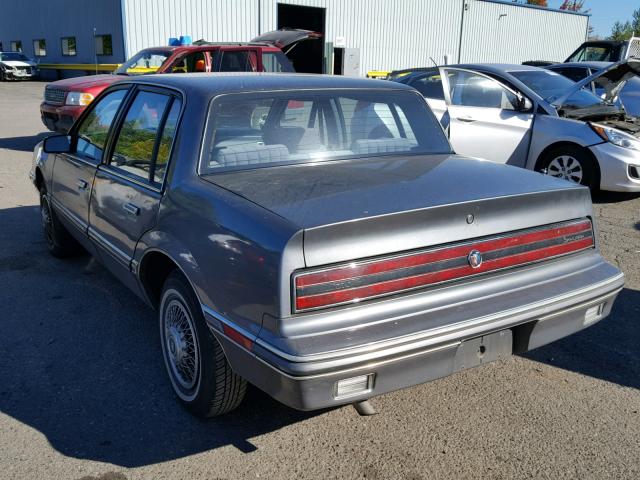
column 549, row 130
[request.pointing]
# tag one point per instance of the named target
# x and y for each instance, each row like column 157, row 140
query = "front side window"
column 193, row 62
column 39, row 48
column 69, row 46
column 104, row 45
column 257, row 130
column 16, row 45
column 276, row 62
column 469, row 89
column 237, row 61
column 144, row 62
column 92, row 132
column 141, row 151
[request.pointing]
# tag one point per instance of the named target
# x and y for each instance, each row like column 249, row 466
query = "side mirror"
column 524, row 104
column 57, row 144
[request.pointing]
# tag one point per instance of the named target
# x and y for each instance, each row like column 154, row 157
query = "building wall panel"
column 507, row 33
column 51, row 20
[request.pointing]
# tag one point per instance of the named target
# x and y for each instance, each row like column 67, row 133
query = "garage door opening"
column 307, row 57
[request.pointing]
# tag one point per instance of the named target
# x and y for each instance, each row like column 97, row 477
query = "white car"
column 17, row 66
column 538, row 119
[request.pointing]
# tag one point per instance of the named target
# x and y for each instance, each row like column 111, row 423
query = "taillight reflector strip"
column 363, row 280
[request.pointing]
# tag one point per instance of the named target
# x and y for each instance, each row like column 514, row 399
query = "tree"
column 573, row 6
column 621, row 31
column 539, row 3
column 626, row 30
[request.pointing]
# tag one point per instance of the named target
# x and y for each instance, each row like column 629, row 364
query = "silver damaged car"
column 316, row 236
column 538, row 119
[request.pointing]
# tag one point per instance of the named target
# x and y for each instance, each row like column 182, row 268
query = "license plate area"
column 480, row 350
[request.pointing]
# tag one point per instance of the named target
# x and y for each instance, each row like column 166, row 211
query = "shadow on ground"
column 602, row 197
column 81, row 363
column 608, row 350
column 23, row 144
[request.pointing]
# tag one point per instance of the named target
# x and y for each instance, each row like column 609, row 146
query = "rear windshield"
column 259, row 130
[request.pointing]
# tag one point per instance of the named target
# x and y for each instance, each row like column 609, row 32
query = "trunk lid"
column 363, row 208
column 286, row 38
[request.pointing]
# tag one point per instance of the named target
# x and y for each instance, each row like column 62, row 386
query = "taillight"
column 363, row 280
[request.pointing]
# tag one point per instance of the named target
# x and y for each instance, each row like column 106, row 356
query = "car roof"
column 234, row 82
column 499, row 67
column 598, row 65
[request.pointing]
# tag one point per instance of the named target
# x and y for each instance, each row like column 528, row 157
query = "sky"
column 604, row 13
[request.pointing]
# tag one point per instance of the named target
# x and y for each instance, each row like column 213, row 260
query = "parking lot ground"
column 83, row 392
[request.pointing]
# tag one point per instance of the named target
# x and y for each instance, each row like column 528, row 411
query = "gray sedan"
column 316, row 236
column 538, row 119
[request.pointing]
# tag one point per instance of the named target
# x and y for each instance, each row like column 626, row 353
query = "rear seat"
column 249, row 154
column 382, row 145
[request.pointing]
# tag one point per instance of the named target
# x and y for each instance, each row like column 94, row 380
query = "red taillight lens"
column 363, row 280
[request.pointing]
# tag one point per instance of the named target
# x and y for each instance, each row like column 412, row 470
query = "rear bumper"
column 309, row 382
column 59, row 118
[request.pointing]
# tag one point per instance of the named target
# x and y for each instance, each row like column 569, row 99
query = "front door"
column 128, row 185
column 73, row 173
column 485, row 118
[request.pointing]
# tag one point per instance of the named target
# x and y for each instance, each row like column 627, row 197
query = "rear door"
column 129, row 184
column 73, row 173
column 485, row 121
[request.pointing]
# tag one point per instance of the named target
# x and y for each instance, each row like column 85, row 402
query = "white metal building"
column 379, row 34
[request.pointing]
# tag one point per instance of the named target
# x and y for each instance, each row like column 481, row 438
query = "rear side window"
column 237, row 61
column 92, row 132
column 430, row 86
column 276, row 62
column 140, row 142
column 257, row 130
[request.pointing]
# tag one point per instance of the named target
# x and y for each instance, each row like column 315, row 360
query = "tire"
column 59, row 241
column 199, row 372
column 572, row 163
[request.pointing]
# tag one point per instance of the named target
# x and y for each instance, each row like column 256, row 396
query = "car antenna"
column 434, row 62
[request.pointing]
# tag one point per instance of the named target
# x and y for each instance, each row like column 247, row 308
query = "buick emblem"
column 474, row 258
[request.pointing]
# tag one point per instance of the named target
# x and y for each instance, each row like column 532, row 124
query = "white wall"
column 391, row 34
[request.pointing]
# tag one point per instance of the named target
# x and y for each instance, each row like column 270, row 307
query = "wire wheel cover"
column 181, row 344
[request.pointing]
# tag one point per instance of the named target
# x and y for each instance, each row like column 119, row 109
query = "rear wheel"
column 571, row 163
column 198, row 369
column 59, row 241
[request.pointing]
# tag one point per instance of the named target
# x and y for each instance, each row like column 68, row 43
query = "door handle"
column 131, row 208
column 81, row 184
column 466, row 118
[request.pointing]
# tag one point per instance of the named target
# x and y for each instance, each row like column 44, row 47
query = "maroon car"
column 66, row 99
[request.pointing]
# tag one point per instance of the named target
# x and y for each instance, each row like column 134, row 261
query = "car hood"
column 18, row 63
column 85, row 82
column 312, row 195
column 612, row 79
column 286, row 38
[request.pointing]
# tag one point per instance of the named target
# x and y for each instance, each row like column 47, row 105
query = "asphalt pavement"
column 84, row 394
